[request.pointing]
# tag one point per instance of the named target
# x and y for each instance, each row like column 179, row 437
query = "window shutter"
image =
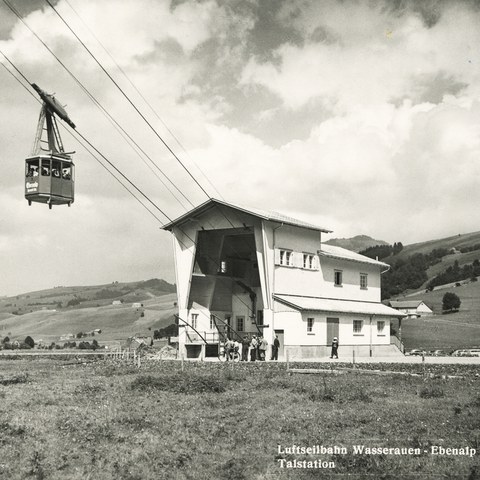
column 316, row 262
column 277, row 256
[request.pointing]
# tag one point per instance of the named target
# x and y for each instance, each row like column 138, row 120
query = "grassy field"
column 117, row 322
column 445, row 331
column 456, row 241
column 108, row 421
column 48, row 314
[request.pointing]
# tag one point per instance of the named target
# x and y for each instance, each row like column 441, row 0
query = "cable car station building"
column 265, row 273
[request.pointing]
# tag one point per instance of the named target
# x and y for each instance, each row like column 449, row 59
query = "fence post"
column 181, row 360
column 288, row 360
column 353, row 357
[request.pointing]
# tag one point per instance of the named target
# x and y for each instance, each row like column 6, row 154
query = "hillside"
column 85, row 296
column 52, row 313
column 414, row 267
column 356, row 244
column 458, row 241
column 449, row 331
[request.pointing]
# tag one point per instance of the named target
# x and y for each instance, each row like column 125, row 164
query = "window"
column 240, row 324
column 194, row 320
column 310, row 322
column 357, row 326
column 45, row 167
column 212, row 322
column 363, row 281
column 66, row 171
column 259, row 319
column 338, row 278
column 308, row 261
column 286, row 258
column 56, row 169
column 32, row 168
column 380, row 327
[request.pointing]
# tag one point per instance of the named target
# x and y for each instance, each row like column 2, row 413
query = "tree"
column 29, row 341
column 450, row 302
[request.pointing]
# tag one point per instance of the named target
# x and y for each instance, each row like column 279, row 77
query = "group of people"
column 257, row 346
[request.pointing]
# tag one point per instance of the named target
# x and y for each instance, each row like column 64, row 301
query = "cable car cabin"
column 49, row 178
column 49, row 172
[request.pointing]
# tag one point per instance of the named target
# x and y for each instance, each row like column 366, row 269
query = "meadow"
column 445, row 331
column 60, row 419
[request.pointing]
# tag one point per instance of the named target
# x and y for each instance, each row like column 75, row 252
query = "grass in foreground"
column 107, row 421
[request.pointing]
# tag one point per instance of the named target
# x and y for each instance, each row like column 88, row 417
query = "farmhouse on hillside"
column 412, row 308
column 242, row 270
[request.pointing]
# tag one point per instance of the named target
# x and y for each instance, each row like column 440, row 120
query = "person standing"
column 245, row 345
column 229, row 345
column 275, row 347
column 262, row 348
column 334, row 348
column 253, row 346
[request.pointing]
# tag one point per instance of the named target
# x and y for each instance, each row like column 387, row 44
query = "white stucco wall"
column 294, row 324
column 296, row 280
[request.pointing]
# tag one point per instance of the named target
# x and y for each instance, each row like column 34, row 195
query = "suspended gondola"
column 49, row 171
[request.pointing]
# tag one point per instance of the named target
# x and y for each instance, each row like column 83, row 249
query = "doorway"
column 281, row 349
column 332, row 329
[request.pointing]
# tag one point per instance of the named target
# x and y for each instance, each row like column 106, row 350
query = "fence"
column 394, row 340
column 126, row 355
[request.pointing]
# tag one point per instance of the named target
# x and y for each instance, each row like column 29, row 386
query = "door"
column 332, row 329
column 280, row 334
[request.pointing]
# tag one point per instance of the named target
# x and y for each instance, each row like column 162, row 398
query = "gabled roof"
column 263, row 214
column 339, row 252
column 405, row 303
column 334, row 305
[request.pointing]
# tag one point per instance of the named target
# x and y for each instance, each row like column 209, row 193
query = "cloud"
column 377, row 58
column 387, row 170
column 357, row 116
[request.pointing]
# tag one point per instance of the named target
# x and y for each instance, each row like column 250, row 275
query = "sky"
column 361, row 117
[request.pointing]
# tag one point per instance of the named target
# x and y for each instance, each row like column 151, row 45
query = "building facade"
column 412, row 308
column 245, row 271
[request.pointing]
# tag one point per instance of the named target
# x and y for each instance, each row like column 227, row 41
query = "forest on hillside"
column 410, row 273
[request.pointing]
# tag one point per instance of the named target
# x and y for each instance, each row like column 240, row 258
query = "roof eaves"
column 298, row 307
column 265, row 216
column 367, row 262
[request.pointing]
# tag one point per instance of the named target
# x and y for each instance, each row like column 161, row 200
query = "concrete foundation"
column 308, row 352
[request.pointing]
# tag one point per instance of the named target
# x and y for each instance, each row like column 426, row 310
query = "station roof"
column 319, row 304
column 263, row 214
column 339, row 252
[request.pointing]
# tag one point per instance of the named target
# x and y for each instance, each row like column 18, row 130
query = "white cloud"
column 375, row 58
column 384, row 171
column 390, row 160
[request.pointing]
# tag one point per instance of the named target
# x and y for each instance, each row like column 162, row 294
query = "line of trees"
column 382, row 251
column 410, row 273
column 170, row 331
column 455, row 273
column 472, row 248
column 27, row 344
